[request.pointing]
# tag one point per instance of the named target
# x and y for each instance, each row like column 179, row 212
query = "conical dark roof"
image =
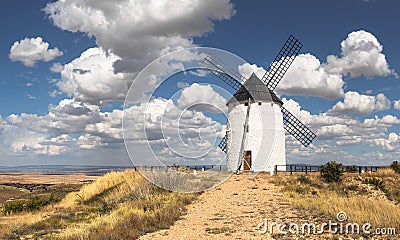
column 256, row 90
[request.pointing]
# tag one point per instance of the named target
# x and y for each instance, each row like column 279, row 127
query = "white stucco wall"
column 265, row 138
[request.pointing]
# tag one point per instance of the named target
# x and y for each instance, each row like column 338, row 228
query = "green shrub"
column 304, row 180
column 31, row 204
column 332, row 172
column 395, row 166
column 378, row 183
column 352, row 168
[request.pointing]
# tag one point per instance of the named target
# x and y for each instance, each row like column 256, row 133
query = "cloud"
column 202, row 98
column 342, row 127
column 306, row 77
column 91, row 78
column 360, row 104
column 139, row 31
column 31, row 97
column 389, row 142
column 22, row 142
column 382, row 103
column 335, row 131
column 382, row 123
column 182, row 84
column 130, row 34
column 54, row 93
column 71, row 126
column 68, row 117
column 88, row 141
column 361, row 54
column 247, row 69
column 396, row 105
column 31, row 50
column 57, row 67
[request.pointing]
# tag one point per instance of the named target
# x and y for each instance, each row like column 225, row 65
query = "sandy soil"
column 232, row 210
column 40, row 178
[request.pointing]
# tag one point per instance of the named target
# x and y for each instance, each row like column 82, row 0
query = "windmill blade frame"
column 282, row 62
column 225, row 73
column 222, row 145
column 296, row 128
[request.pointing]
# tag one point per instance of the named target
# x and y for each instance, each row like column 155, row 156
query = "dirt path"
column 232, row 210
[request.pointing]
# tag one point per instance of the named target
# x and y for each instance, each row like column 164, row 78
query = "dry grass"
column 361, row 201
column 119, row 205
column 131, row 219
column 7, row 192
column 113, row 183
column 359, row 209
column 185, row 181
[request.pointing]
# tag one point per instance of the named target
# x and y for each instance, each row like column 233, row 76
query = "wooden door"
column 247, row 161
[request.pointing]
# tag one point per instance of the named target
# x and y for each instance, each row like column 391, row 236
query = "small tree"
column 395, row 166
column 332, row 172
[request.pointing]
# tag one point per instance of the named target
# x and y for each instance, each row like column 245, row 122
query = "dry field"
column 40, row 178
column 20, row 187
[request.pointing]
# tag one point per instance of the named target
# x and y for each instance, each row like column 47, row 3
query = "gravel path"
column 232, row 210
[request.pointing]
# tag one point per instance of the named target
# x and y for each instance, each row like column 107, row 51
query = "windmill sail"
column 222, row 144
column 226, row 74
column 282, row 62
column 297, row 129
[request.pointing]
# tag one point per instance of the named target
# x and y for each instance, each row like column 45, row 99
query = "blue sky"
column 72, row 113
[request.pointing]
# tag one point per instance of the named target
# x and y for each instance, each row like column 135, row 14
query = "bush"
column 351, row 169
column 395, row 166
column 332, row 172
column 32, row 204
column 379, row 184
column 304, row 180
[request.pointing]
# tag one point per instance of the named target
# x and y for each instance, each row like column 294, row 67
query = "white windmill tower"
column 255, row 137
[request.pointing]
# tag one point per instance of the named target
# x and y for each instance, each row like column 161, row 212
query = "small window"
column 259, row 103
column 246, row 104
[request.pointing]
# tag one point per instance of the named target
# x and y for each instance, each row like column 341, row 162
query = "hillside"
column 122, row 205
column 118, row 205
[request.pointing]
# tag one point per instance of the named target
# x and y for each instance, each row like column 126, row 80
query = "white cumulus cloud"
column 361, row 104
column 91, row 77
column 396, row 104
column 202, row 98
column 306, row 77
column 56, row 67
column 389, row 142
column 361, row 55
column 31, row 50
column 139, row 31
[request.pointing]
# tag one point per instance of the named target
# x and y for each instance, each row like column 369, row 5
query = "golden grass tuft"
column 359, row 209
column 362, row 202
column 120, row 182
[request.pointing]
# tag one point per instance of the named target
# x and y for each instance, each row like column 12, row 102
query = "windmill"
column 255, row 135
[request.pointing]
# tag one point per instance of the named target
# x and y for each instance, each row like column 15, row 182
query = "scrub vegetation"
column 118, row 205
column 371, row 197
